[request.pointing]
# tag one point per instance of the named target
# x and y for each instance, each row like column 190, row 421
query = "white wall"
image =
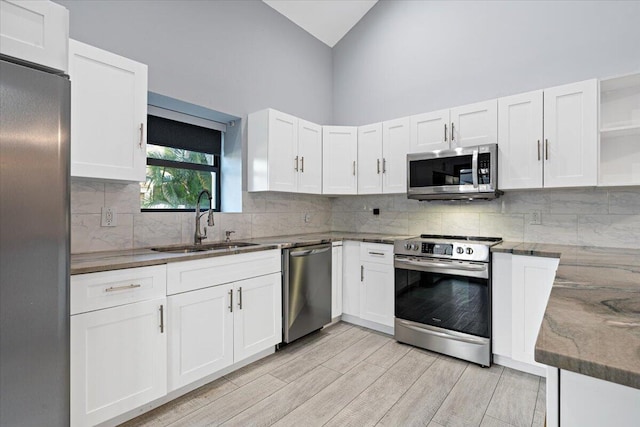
column 407, row 57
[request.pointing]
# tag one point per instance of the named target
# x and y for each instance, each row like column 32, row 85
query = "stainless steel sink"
column 185, row 249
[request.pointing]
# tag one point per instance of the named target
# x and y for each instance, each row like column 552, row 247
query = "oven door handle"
column 474, row 270
column 449, row 335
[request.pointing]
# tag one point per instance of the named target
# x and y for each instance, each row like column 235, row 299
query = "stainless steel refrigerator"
column 34, row 246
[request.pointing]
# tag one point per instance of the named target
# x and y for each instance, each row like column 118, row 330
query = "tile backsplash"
column 601, row 217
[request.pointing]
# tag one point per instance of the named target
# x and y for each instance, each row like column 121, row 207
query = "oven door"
column 449, row 295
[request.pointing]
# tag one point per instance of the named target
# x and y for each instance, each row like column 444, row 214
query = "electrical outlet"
column 536, row 218
column 109, row 217
column 307, row 217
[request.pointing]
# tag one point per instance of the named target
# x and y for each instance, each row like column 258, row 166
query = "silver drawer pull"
column 376, row 253
column 122, row 288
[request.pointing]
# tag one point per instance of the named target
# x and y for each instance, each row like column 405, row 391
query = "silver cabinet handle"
column 378, row 166
column 161, row 319
column 240, row 297
column 296, row 167
column 141, row 135
column 354, row 168
column 546, row 149
column 231, row 300
column 122, row 288
column 384, row 165
column 445, row 132
column 474, row 168
column 362, row 273
column 302, row 164
column 376, row 253
column 538, row 150
column 453, row 132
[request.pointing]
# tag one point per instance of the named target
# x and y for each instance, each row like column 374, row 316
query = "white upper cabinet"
column 520, row 141
column 108, row 114
column 310, row 156
column 370, row 159
column 284, row 153
column 35, row 31
column 429, row 131
column 395, row 146
column 571, row 135
column 339, row 160
column 464, row 126
column 549, row 138
column 474, row 124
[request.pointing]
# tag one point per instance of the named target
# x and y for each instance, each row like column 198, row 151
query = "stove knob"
column 460, row 250
column 469, row 251
column 407, row 246
column 414, row 246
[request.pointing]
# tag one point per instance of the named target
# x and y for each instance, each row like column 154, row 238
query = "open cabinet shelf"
column 620, row 131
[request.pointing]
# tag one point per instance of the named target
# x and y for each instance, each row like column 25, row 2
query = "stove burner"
column 469, row 238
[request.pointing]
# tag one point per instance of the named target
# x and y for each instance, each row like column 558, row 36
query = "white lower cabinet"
column 368, row 285
column 118, row 360
column 222, row 310
column 257, row 319
column 200, row 334
column 118, row 345
column 521, row 289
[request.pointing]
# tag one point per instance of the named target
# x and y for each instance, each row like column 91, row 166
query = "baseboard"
column 508, row 362
column 367, row 324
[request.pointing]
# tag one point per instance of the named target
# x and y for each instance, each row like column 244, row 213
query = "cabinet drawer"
column 94, row 291
column 376, row 252
column 191, row 275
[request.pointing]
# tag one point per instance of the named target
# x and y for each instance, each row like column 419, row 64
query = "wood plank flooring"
column 345, row 375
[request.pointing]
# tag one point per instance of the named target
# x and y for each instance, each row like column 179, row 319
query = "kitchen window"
column 182, row 160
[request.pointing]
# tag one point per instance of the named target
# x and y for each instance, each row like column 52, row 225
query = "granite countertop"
column 115, row 260
column 592, row 321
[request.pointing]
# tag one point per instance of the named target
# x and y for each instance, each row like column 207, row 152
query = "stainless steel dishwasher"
column 306, row 290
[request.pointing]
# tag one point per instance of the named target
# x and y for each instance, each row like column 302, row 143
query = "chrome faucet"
column 198, row 237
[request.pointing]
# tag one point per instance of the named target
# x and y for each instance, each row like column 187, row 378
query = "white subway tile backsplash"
column 624, row 201
column 88, row 236
column 87, row 197
column 622, row 231
column 560, row 229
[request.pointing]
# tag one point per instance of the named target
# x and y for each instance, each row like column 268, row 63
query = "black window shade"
column 170, row 133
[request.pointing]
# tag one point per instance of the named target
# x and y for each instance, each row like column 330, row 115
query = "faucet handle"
column 205, row 233
column 228, row 234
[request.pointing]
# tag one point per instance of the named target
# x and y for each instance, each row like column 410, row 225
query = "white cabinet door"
column 501, row 304
column 520, row 141
column 377, row 293
column 395, row 146
column 200, row 334
column 257, row 315
column 108, row 114
column 370, row 159
column 283, row 152
column 310, row 157
column 591, row 402
column 339, row 157
column 474, row 124
column 531, row 285
column 35, row 31
column 118, row 360
column 571, row 135
column 336, row 280
column 351, row 278
column 430, row 131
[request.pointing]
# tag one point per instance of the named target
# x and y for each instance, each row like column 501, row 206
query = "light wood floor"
column 347, row 375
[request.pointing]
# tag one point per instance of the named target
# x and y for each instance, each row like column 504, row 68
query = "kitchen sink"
column 202, row 248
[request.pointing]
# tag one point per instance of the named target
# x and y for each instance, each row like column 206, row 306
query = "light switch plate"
column 536, row 218
column 109, row 217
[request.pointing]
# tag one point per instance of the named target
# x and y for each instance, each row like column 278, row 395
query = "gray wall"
column 408, row 57
column 231, row 56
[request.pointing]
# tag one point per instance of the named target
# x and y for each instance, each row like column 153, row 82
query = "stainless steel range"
column 443, row 295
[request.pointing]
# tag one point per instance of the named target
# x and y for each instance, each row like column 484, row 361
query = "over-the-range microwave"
column 464, row 173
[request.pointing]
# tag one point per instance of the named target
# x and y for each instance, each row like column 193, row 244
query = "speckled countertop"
column 592, row 321
column 115, row 260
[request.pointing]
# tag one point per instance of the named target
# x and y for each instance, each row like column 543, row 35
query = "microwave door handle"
column 474, row 168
